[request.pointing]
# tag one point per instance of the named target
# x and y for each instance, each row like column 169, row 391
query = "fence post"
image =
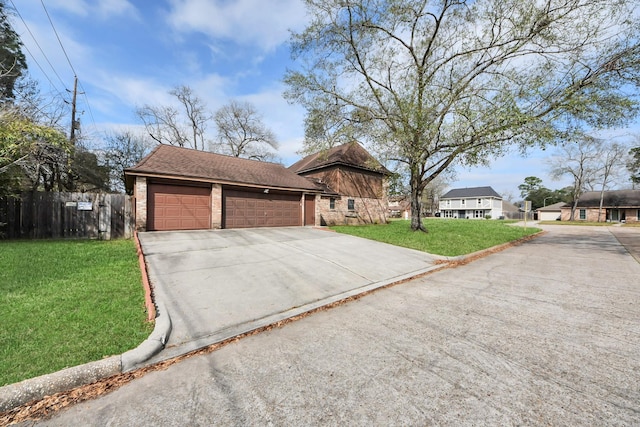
column 104, row 216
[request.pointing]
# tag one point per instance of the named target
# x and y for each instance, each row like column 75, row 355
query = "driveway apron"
column 217, row 284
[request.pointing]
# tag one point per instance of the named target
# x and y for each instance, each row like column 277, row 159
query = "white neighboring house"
column 474, row 202
column 551, row 212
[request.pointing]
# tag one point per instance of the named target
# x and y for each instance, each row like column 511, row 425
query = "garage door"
column 244, row 209
column 178, row 207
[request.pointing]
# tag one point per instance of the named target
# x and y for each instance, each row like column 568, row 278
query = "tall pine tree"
column 12, row 61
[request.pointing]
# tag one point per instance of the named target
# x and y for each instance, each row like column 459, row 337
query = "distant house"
column 474, row 202
column 551, row 212
column 618, row 205
column 399, row 207
column 354, row 184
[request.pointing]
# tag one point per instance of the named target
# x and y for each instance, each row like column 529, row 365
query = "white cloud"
column 247, row 22
column 111, row 8
column 103, row 9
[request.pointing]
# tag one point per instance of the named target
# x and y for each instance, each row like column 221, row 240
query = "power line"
column 84, row 92
column 41, row 50
column 58, row 37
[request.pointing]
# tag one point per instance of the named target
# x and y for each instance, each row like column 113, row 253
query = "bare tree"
column 432, row 83
column 195, row 112
column 612, row 160
column 328, row 125
column 183, row 127
column 241, row 132
column 633, row 162
column 123, row 150
column 580, row 160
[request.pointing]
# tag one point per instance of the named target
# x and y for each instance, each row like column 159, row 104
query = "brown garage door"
column 244, row 209
column 178, row 207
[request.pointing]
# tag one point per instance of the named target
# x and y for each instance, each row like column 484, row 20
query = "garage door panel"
column 244, row 209
column 177, row 207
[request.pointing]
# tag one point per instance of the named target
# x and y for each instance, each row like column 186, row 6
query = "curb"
column 499, row 248
column 13, row 395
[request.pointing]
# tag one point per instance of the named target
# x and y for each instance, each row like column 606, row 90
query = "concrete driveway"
column 545, row 333
column 216, row 284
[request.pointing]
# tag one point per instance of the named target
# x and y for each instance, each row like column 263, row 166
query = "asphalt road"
column 545, row 333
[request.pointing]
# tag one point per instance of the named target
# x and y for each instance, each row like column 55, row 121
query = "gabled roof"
column 552, row 208
column 184, row 163
column 349, row 154
column 461, row 193
column 612, row 199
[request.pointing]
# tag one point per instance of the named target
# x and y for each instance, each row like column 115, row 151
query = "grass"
column 446, row 237
column 64, row 303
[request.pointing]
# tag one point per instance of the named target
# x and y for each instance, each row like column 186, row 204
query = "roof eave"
column 195, row 178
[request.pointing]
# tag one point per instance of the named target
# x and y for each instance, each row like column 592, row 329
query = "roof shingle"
column 349, row 154
column 460, row 193
column 172, row 161
column 612, row 198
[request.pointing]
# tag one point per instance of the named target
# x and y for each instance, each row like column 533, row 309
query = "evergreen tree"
column 12, row 61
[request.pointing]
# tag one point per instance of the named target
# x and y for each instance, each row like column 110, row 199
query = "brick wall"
column 140, row 194
column 367, row 211
column 630, row 215
column 216, row 206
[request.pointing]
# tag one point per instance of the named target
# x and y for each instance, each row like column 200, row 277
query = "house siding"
column 348, row 181
column 450, row 208
column 367, row 189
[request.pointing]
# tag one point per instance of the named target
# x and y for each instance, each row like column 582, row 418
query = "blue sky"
column 127, row 53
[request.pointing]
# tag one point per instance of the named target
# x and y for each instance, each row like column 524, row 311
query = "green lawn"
column 64, row 303
column 448, row 237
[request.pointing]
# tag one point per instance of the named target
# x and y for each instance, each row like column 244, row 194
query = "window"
column 332, row 203
column 462, row 202
column 583, row 214
column 479, row 202
column 478, row 214
column 448, row 214
column 638, row 216
column 351, row 204
column 448, row 202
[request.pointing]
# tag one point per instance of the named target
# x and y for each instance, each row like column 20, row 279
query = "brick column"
column 140, row 193
column 216, row 206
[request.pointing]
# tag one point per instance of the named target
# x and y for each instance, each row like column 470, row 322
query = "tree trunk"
column 601, row 203
column 416, row 205
column 573, row 209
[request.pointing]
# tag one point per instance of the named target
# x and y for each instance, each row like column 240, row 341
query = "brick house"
column 183, row 189
column 617, row 206
column 355, row 184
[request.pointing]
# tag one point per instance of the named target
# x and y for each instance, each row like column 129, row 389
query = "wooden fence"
column 67, row 215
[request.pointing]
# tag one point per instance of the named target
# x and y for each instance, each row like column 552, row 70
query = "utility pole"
column 72, row 135
column 74, row 124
